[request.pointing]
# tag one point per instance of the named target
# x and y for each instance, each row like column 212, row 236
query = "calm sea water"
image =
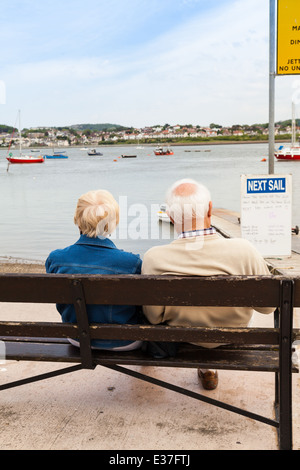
column 37, row 202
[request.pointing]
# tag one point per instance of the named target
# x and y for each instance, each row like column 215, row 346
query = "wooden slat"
column 144, row 290
column 189, row 291
column 230, row 360
column 255, row 359
column 36, row 288
column 38, row 329
column 183, row 346
column 144, row 332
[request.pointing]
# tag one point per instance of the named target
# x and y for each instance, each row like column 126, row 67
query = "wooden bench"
column 251, row 349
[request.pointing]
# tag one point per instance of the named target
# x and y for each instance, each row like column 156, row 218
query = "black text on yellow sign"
column 288, row 37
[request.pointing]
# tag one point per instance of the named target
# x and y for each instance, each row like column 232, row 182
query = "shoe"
column 209, row 379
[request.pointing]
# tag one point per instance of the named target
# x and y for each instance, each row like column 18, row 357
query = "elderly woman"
column 97, row 216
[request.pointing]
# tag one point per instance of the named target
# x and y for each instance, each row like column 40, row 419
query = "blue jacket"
column 96, row 256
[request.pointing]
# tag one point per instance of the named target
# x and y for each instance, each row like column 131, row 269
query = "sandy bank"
column 21, row 267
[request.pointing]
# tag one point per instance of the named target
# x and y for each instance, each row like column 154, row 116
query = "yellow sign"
column 288, row 37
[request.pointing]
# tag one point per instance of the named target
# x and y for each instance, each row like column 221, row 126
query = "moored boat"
column 25, row 159
column 21, row 159
column 291, row 152
column 57, row 155
column 94, row 152
column 162, row 214
column 288, row 153
column 163, row 151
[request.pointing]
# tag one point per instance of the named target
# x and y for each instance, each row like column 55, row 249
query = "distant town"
column 108, row 134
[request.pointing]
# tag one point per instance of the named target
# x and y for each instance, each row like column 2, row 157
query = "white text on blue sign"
column 266, row 185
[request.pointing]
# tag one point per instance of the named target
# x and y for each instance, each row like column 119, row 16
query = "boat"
column 291, row 152
column 57, row 155
column 94, row 152
column 128, row 156
column 288, row 153
column 21, row 159
column 163, row 151
column 198, row 150
column 162, row 214
column 25, row 159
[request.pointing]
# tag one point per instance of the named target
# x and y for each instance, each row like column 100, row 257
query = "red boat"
column 289, row 153
column 25, row 159
column 22, row 158
column 162, row 151
column 293, row 151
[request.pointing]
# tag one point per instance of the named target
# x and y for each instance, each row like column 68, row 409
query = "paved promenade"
column 105, row 410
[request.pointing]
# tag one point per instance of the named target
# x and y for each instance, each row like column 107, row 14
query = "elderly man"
column 200, row 251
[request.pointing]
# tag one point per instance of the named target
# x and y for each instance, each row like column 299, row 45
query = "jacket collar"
column 104, row 242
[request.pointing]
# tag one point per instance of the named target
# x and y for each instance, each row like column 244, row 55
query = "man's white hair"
column 190, row 204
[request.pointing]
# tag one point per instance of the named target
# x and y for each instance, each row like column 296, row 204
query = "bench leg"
column 191, row 394
column 36, row 378
column 284, row 378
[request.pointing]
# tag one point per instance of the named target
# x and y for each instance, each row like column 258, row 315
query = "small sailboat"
column 58, row 154
column 24, row 159
column 293, row 151
column 21, row 159
column 162, row 214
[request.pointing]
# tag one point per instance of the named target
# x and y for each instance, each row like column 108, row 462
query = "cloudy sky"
column 138, row 62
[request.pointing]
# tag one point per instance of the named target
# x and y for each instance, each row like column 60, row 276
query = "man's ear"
column 167, row 212
column 209, row 212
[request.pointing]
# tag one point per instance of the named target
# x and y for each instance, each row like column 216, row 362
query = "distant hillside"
column 288, row 123
column 7, row 129
column 98, row 127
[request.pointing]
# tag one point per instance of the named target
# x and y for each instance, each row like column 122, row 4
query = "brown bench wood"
column 253, row 349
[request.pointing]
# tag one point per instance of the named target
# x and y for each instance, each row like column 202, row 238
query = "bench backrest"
column 241, row 291
column 251, row 291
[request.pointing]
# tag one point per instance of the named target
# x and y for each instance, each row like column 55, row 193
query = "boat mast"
column 20, row 143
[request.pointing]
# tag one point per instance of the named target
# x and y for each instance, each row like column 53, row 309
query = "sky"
column 138, row 63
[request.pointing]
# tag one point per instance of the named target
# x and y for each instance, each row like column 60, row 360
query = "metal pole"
column 272, row 74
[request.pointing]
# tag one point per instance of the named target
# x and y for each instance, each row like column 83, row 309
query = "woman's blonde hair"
column 97, row 213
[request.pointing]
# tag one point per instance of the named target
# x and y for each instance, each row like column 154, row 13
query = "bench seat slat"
column 255, row 360
column 144, row 332
column 261, row 347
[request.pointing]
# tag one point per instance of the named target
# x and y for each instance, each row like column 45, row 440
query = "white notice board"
column 266, row 213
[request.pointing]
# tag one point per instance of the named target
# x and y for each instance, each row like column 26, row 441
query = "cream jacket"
column 204, row 256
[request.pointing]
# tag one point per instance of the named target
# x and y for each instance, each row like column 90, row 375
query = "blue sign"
column 266, row 185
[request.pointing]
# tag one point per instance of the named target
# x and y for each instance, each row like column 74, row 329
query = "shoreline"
column 163, row 143
column 14, row 265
